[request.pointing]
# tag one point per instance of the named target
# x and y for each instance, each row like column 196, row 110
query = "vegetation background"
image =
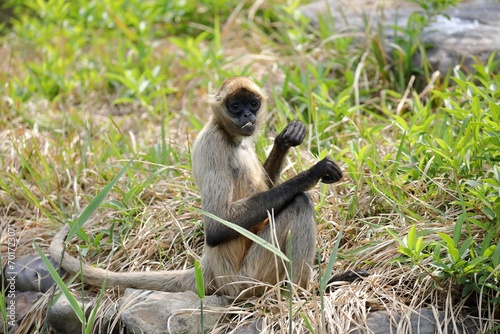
column 88, row 85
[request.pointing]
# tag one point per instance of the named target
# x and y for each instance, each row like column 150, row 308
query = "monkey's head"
column 239, row 106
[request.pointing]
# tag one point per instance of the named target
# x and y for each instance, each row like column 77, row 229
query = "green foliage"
column 112, row 40
column 93, row 206
column 409, row 42
column 459, row 143
column 77, row 228
column 432, row 8
column 90, row 84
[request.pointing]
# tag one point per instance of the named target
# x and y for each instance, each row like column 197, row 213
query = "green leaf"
column 96, row 202
column 452, row 249
column 400, row 148
column 472, row 266
column 495, row 111
column 401, row 122
column 457, row 230
column 405, row 250
column 95, row 308
column 488, row 213
column 255, row 238
column 420, row 245
column 412, row 237
column 323, row 154
column 442, row 144
column 331, row 262
column 307, row 323
column 395, row 236
column 55, row 275
column 200, row 283
column 464, row 126
column 495, row 257
column 361, row 153
column 465, row 247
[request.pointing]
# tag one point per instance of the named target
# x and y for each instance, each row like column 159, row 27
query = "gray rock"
column 18, row 304
column 472, row 29
column 30, row 274
column 105, row 320
column 423, row 321
column 255, row 327
column 163, row 312
column 61, row 317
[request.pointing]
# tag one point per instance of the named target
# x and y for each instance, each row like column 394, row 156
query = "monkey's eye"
column 235, row 106
column 255, row 105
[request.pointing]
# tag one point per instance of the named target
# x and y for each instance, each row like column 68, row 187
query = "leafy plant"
column 461, row 145
column 88, row 84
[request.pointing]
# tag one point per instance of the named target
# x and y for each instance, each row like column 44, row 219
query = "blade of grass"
column 331, row 262
column 200, row 288
column 246, row 233
column 80, row 313
column 93, row 314
column 96, row 202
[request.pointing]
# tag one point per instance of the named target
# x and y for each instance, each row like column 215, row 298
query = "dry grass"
column 57, row 154
column 165, row 234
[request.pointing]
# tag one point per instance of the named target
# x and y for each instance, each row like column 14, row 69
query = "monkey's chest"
column 248, row 174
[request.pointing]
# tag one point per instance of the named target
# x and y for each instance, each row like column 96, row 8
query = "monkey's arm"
column 251, row 211
column 291, row 136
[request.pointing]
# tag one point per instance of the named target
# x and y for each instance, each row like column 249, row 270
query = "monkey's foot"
column 345, row 278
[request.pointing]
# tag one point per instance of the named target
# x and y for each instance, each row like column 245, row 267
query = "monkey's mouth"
column 248, row 128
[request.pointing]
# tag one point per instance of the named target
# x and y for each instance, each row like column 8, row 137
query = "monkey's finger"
column 295, row 123
column 327, row 179
column 295, row 134
column 296, row 127
column 337, row 169
column 339, row 173
column 333, row 177
column 294, row 139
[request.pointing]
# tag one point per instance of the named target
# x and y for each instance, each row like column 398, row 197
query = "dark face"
column 243, row 108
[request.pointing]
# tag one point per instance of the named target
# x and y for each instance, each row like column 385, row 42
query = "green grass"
column 89, row 85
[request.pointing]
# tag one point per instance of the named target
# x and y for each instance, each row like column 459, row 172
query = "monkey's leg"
column 297, row 221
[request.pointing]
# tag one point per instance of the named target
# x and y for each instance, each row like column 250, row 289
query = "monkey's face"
column 243, row 108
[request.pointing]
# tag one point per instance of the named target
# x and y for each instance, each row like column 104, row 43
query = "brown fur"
column 234, row 186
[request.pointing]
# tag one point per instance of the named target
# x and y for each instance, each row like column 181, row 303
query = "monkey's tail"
column 165, row 280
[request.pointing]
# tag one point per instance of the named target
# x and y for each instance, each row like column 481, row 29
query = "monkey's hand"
column 293, row 135
column 328, row 171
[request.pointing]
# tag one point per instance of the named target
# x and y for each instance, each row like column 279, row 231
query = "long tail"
column 165, row 280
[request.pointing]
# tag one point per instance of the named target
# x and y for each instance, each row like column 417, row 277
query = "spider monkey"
column 235, row 187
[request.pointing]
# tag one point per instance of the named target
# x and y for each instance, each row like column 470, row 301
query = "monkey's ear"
column 265, row 92
column 211, row 99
